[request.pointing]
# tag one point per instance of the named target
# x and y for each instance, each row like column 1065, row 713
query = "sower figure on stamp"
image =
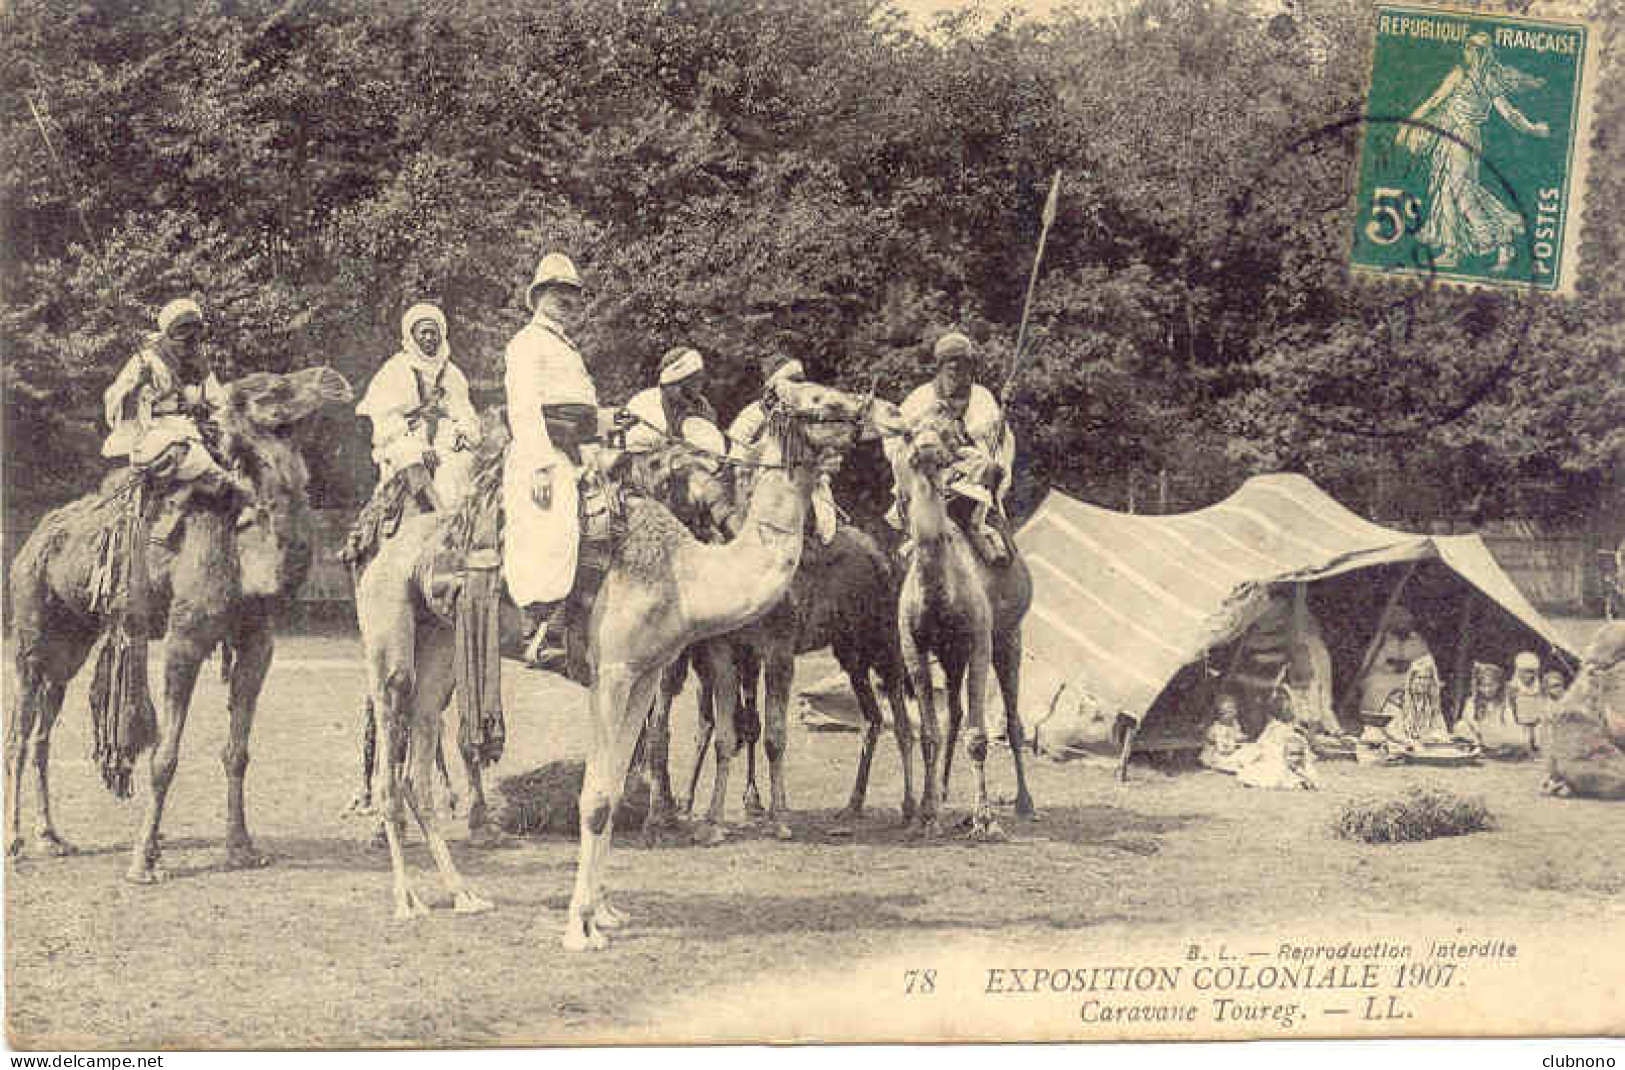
column 1464, row 218
column 553, row 415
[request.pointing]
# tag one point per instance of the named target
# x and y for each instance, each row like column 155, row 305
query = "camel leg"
column 904, row 731
column 43, row 672
column 778, row 674
column 956, row 715
column 748, row 724
column 184, row 654
column 619, row 702
column 918, row 660
column 442, row 774
column 662, row 812
column 434, row 686
column 252, row 646
column 482, row 832
column 19, row 733
column 361, row 802
column 703, row 729
column 983, row 824
column 1007, row 667
column 394, row 702
column 858, row 675
column 724, row 729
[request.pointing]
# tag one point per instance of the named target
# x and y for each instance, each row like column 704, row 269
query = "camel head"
column 255, row 420
column 696, row 485
column 931, row 446
column 813, row 425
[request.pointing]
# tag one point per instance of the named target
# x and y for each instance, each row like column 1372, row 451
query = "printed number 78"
column 1394, row 213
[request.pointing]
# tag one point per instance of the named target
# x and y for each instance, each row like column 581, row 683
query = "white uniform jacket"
column 539, row 550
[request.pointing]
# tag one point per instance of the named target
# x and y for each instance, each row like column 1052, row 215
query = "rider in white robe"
column 420, row 409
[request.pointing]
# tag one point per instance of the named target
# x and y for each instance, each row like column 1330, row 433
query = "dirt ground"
column 305, row 952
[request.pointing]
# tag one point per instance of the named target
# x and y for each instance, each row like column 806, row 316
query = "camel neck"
column 739, row 581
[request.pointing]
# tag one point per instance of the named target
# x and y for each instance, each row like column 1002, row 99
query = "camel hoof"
column 781, row 831
column 753, row 804
column 55, row 845
column 709, row 834
column 1025, row 807
column 244, row 856
column 486, row 834
column 579, row 937
column 360, row 805
column 146, row 875
column 608, row 918
column 410, row 906
column 929, row 828
column 378, row 841
column 984, row 828
column 469, row 903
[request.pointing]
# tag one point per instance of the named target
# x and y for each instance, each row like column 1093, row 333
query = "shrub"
column 1420, row 814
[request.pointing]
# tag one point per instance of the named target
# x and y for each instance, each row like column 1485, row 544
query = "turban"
column 179, row 311
column 679, row 363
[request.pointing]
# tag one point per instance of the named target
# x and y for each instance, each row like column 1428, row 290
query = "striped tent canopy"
column 1122, row 602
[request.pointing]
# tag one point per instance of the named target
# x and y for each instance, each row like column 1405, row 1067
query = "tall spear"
column 1026, row 309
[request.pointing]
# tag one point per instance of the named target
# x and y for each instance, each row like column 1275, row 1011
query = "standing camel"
column 664, row 591
column 844, row 597
column 966, row 612
column 215, row 584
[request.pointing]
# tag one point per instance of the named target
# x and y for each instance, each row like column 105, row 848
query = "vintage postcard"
column 543, row 523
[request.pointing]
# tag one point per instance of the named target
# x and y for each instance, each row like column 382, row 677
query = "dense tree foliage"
column 823, row 178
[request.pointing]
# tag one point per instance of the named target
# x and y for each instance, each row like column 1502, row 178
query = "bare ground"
column 305, row 953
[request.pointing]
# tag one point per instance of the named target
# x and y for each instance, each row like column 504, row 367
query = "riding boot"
column 546, row 623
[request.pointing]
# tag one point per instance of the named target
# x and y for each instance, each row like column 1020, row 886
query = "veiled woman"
column 1463, row 217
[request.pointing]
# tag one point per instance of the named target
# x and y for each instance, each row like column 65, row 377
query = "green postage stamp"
column 1473, row 152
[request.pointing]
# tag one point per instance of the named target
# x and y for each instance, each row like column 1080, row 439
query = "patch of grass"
column 1419, row 814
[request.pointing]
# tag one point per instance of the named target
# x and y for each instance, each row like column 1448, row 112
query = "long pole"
column 1032, row 284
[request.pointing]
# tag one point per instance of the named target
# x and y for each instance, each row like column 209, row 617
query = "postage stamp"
column 1473, row 156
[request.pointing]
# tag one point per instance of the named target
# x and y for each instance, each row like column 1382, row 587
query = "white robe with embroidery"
column 540, row 545
column 398, row 443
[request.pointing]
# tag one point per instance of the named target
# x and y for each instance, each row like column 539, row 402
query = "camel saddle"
column 409, row 492
column 464, row 581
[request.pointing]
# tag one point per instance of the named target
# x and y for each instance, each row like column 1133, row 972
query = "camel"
column 966, row 612
column 664, row 591
column 215, row 584
column 844, row 597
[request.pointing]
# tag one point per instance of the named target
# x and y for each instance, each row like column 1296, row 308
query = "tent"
column 1134, row 614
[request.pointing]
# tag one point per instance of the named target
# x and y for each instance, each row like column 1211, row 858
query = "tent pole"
column 1464, row 641
column 1352, row 699
column 1129, row 733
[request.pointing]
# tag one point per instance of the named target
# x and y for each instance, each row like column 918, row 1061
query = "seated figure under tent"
column 1399, row 648
column 1279, row 759
column 1285, row 652
column 1414, row 715
column 1527, row 697
column 1224, row 740
column 1487, row 720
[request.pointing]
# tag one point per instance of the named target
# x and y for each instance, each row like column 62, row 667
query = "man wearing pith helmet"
column 553, row 417
column 152, row 405
column 954, row 393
